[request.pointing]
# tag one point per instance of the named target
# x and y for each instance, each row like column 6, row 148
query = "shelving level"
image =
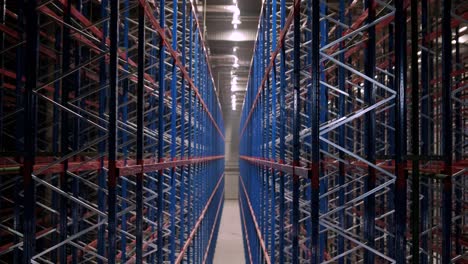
column 353, row 133
column 111, row 133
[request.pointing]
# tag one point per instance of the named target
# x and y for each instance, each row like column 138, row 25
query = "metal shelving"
column 342, row 160
column 112, row 136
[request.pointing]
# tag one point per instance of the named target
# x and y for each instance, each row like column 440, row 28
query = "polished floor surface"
column 229, row 249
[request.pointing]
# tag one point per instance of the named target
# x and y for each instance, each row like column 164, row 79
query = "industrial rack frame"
column 333, row 168
column 112, row 136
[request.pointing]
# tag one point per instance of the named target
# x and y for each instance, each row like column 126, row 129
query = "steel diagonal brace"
column 342, row 233
column 175, row 55
column 259, row 234
column 70, row 238
column 212, row 230
column 358, row 158
column 72, row 198
column 198, row 223
column 332, row 125
column 367, row 78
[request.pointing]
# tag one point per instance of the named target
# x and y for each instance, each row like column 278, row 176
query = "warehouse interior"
column 234, row 131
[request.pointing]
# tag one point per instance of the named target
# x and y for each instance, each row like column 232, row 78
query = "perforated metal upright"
column 111, row 134
column 353, row 133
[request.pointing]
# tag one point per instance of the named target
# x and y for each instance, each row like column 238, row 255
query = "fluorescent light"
column 233, row 8
column 234, row 49
column 236, row 21
column 462, row 29
column 233, row 102
column 235, row 88
column 237, row 35
column 236, row 64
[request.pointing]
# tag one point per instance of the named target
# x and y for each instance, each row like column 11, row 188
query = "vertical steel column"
column 153, row 142
column 458, row 146
column 123, row 116
column 2, row 65
column 400, row 135
column 112, row 130
column 55, row 134
column 369, row 138
column 101, row 241
column 295, row 133
column 283, row 118
column 140, row 107
column 30, row 118
column 64, row 143
column 323, row 114
column 315, row 125
column 182, row 131
column 341, row 133
column 173, row 136
column 190, row 133
column 273, row 137
column 425, row 146
column 350, row 134
column 75, row 210
column 161, row 110
column 195, row 142
column 414, row 134
column 446, row 133
column 391, row 141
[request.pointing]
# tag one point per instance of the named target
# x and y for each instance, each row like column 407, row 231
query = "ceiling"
column 230, row 49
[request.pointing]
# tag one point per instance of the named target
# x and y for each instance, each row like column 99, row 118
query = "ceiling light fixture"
column 236, row 62
column 236, row 35
column 463, row 29
column 233, row 101
column 235, row 16
column 235, row 88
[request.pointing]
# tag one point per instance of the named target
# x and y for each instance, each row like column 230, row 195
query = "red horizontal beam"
column 98, row 33
column 259, row 233
column 289, row 169
column 198, row 223
column 127, row 167
column 245, row 231
column 156, row 166
column 218, row 211
column 176, row 56
column 272, row 60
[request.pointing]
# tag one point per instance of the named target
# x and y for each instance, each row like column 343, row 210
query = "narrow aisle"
column 229, row 248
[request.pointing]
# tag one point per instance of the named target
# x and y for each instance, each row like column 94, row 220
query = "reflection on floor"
column 229, row 249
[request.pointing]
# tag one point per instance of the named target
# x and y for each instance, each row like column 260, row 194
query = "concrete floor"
column 229, row 248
